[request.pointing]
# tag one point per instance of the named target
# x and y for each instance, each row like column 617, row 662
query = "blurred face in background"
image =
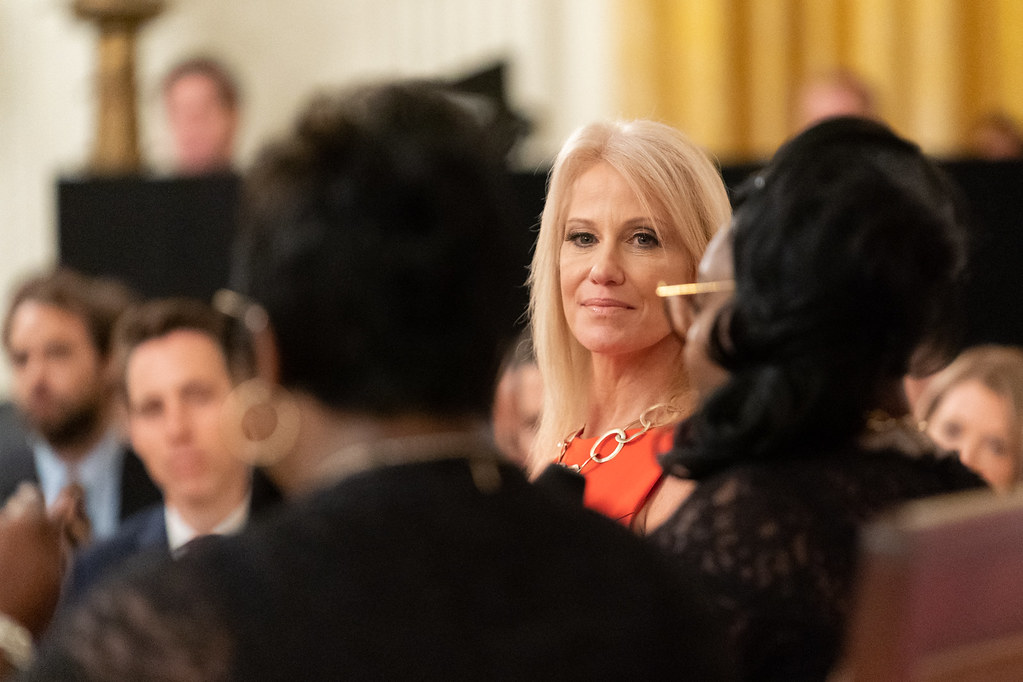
column 202, row 124
column 59, row 379
column 978, row 424
column 516, row 414
column 176, row 387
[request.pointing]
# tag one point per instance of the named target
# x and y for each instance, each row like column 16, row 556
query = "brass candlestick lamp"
column 116, row 147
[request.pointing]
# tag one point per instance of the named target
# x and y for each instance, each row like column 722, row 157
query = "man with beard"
column 57, row 334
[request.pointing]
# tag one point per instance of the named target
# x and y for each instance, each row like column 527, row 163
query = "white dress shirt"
column 179, row 533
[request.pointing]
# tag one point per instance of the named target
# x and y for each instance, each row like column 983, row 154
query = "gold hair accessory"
column 260, row 422
column 666, row 290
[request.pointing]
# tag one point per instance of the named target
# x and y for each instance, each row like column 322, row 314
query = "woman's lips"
column 602, row 304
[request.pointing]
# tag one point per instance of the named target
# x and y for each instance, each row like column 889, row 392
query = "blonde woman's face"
column 613, row 255
column 976, row 422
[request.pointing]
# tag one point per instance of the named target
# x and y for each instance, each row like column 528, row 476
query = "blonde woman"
column 974, row 407
column 629, row 205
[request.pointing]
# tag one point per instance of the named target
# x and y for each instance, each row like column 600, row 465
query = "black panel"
column 163, row 237
column 172, row 236
column 994, row 194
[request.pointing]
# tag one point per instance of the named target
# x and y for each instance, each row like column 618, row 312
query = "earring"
column 259, row 423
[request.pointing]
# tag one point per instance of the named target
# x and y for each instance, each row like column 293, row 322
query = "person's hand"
column 32, row 558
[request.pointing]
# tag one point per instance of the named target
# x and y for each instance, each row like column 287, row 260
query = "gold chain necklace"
column 883, row 431
column 619, row 436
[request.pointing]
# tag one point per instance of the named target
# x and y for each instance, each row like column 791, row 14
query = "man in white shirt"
column 178, row 368
column 57, row 334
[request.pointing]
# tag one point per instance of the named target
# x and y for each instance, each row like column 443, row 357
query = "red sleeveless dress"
column 619, row 487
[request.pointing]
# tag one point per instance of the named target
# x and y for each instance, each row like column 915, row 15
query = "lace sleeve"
column 778, row 578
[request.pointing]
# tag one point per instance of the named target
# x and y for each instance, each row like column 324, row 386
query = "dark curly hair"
column 375, row 236
column 849, row 254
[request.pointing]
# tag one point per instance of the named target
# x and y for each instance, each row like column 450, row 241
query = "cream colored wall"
column 561, row 75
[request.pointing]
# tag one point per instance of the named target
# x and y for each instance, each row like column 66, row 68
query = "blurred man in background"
column 201, row 103
column 178, row 367
column 57, row 334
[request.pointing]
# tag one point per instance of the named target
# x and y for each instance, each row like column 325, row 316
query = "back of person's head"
column 849, row 255
column 157, row 318
column 374, row 237
column 97, row 301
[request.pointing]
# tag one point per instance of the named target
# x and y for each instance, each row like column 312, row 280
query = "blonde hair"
column 998, row 368
column 674, row 180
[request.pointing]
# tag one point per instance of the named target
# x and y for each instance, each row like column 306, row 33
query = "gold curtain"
column 727, row 71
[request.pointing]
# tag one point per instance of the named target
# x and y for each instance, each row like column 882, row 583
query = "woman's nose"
column 607, row 268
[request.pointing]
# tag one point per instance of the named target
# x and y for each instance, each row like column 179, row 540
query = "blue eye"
column 646, row 238
column 581, row 238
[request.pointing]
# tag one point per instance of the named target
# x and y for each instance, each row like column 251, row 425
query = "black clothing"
column 418, row 571
column 146, row 531
column 775, row 545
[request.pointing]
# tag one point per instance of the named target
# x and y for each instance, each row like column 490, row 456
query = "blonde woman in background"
column 975, row 407
column 629, row 205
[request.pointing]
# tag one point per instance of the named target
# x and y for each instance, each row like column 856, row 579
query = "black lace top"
column 775, row 545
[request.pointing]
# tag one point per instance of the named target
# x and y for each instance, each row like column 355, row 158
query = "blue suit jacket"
column 145, row 534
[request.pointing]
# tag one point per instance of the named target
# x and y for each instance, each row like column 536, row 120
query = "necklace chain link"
column 619, row 436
